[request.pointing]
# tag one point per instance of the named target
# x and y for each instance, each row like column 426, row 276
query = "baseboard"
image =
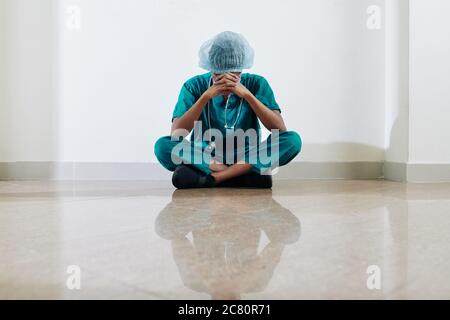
column 395, row 171
column 153, row 171
column 331, row 170
column 416, row 172
column 412, row 172
column 428, row 172
column 81, row 171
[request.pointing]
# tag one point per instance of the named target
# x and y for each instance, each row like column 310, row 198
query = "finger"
column 235, row 76
column 225, row 76
column 229, row 85
column 231, row 77
column 218, row 77
column 227, row 88
column 231, row 80
column 222, row 81
column 225, row 82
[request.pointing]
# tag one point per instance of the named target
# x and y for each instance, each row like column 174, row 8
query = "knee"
column 293, row 141
column 162, row 146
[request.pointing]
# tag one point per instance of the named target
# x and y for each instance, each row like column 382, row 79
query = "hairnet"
column 226, row 52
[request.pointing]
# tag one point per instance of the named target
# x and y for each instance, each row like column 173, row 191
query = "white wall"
column 27, row 85
column 105, row 93
column 118, row 77
column 122, row 71
column 429, row 82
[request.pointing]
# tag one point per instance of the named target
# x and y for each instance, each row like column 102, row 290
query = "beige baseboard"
column 416, row 172
column 428, row 172
column 153, row 171
column 395, row 171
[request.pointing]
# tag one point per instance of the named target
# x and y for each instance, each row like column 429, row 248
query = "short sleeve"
column 186, row 99
column 265, row 94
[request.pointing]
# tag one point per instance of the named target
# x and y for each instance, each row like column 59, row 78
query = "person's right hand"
column 222, row 85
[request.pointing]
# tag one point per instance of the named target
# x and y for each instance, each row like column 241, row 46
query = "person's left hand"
column 240, row 90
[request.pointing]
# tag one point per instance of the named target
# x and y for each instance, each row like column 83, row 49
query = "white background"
column 119, row 76
column 106, row 92
column 430, row 82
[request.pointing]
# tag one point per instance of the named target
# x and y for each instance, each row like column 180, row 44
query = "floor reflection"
column 217, row 239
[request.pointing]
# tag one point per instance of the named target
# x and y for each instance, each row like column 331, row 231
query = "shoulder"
column 254, row 79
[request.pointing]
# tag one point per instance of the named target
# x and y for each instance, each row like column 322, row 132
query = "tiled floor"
column 306, row 239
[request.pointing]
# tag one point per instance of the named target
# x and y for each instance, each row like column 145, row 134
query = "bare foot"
column 217, row 166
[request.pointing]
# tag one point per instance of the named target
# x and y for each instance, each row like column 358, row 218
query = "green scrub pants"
column 289, row 146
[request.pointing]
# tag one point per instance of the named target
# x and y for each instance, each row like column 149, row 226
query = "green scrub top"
column 196, row 86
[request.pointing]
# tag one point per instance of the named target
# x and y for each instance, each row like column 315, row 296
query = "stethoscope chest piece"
column 229, row 131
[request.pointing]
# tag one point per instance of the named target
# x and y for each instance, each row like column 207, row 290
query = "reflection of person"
column 223, row 259
column 225, row 99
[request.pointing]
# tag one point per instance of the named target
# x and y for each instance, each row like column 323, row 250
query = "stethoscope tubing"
column 212, row 145
column 225, row 110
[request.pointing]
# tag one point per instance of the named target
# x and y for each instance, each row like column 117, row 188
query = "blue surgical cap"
column 226, row 52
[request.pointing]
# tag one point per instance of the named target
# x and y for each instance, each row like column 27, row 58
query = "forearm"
column 270, row 119
column 186, row 122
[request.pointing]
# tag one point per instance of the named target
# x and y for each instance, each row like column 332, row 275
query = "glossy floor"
column 305, row 239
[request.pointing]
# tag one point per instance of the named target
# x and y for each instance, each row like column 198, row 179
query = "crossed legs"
column 240, row 174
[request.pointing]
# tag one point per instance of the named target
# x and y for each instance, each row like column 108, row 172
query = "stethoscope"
column 228, row 128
